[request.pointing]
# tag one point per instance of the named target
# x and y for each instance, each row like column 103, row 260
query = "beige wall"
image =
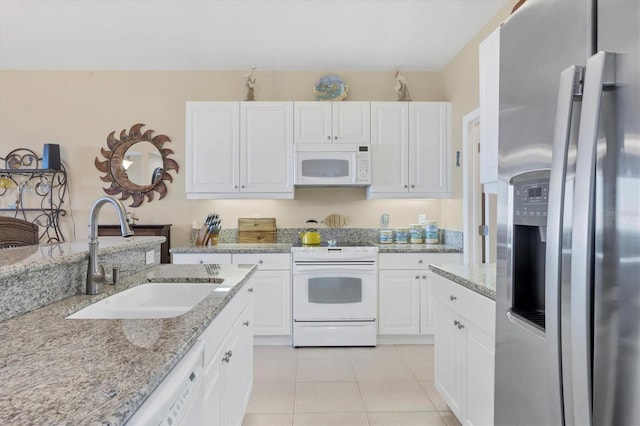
column 461, row 87
column 78, row 109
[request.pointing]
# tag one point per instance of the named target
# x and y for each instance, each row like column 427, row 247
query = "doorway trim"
column 471, row 189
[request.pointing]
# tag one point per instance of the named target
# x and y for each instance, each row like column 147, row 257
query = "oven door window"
column 335, row 290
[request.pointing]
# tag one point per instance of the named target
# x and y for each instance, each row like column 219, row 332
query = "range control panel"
column 530, row 201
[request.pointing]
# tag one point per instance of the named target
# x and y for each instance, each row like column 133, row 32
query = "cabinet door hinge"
column 483, row 230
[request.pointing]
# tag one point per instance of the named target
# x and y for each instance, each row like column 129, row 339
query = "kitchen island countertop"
column 480, row 278
column 55, row 370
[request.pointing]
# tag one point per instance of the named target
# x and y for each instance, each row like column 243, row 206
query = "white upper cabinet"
column 266, row 147
column 411, row 157
column 213, row 141
column 489, row 52
column 239, row 150
column 332, row 122
column 390, row 146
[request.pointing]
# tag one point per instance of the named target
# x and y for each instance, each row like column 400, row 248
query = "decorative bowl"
column 330, row 88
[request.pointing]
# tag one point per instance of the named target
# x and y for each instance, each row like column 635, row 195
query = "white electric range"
column 335, row 295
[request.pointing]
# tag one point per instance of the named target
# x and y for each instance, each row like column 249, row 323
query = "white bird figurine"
column 401, row 87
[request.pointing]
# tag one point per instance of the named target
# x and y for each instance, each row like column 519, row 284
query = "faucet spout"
column 95, row 274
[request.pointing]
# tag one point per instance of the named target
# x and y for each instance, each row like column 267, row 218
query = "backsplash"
column 370, row 235
column 35, row 276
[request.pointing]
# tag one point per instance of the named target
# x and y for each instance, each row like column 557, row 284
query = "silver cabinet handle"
column 456, row 322
column 260, row 261
column 328, row 137
column 460, row 325
column 227, row 356
column 201, row 261
column 246, row 323
column 424, row 277
column 600, row 73
column 406, row 186
column 335, row 137
column 452, row 297
column 250, row 290
column 235, row 186
column 413, row 186
column 420, row 261
column 417, row 277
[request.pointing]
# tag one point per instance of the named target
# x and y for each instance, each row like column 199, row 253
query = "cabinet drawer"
column 414, row 260
column 474, row 307
column 265, row 261
column 195, row 258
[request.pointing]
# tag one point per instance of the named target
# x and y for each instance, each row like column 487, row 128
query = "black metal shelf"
column 43, row 190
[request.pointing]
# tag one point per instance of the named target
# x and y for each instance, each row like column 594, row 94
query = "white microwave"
column 332, row 165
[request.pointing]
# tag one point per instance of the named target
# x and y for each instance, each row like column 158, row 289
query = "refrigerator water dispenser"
column 530, row 204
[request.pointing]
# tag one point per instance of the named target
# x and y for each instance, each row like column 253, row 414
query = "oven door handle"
column 334, row 267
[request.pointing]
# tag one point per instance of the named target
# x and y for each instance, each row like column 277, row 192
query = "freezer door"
column 537, row 43
column 616, row 334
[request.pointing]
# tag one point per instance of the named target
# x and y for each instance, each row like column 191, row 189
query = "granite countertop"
column 417, row 248
column 55, row 370
column 480, row 278
column 20, row 259
column 235, row 248
column 286, row 248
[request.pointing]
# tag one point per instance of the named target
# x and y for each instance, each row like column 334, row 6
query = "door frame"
column 471, row 189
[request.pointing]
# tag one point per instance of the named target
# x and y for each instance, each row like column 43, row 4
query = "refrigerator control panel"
column 530, row 202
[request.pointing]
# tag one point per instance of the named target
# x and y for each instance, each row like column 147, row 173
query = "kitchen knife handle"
column 600, row 73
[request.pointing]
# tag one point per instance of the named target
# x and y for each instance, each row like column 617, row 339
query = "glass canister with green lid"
column 416, row 234
column 385, row 236
column 431, row 232
column 401, row 235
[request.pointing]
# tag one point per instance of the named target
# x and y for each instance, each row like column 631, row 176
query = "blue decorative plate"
column 330, row 88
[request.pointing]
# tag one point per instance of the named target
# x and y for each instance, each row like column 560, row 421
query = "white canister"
column 431, row 232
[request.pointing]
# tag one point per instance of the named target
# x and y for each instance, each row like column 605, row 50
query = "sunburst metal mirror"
column 136, row 165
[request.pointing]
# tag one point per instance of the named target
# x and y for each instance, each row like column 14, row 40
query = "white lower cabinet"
column 464, row 351
column 271, row 282
column 404, row 292
column 228, row 360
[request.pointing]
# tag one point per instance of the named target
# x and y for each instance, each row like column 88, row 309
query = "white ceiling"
column 372, row 35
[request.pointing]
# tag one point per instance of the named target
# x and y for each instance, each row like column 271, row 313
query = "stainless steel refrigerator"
column 568, row 282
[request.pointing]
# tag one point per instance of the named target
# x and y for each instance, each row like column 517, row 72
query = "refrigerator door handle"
column 568, row 90
column 600, row 73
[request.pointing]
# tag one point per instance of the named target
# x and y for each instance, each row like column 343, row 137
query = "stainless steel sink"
column 152, row 300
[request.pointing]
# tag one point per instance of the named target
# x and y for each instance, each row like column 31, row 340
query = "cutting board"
column 262, row 230
column 335, row 220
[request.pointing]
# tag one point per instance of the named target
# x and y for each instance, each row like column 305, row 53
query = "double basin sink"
column 151, row 300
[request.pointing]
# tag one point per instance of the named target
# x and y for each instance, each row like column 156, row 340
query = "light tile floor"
column 386, row 385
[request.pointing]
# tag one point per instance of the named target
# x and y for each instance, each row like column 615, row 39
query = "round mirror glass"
column 141, row 162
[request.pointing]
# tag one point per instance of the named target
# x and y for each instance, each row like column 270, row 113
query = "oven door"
column 333, row 292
